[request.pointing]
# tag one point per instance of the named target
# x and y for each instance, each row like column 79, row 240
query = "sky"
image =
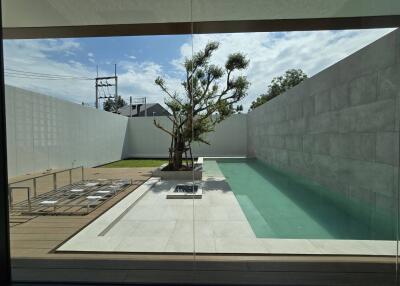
column 141, row 59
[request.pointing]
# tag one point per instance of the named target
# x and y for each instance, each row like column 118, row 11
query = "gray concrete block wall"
column 47, row 133
column 340, row 127
column 144, row 140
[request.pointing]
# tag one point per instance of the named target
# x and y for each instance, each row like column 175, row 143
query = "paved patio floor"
column 145, row 221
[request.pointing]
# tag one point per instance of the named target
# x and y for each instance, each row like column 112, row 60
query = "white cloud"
column 37, row 56
column 137, row 80
column 270, row 55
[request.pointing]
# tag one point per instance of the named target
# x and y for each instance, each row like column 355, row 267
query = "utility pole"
column 130, row 106
column 97, row 88
column 102, row 82
column 116, row 80
column 145, row 107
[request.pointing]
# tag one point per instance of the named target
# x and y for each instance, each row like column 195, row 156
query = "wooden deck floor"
column 37, row 236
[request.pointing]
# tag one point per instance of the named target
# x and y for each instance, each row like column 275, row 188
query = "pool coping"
column 272, row 246
column 325, row 246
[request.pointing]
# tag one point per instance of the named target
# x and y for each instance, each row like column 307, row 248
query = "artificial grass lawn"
column 136, row 163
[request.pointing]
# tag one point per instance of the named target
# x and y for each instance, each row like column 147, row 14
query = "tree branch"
column 158, row 125
column 164, row 89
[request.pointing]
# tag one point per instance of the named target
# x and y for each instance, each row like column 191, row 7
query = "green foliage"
column 279, row 85
column 113, row 104
column 210, row 94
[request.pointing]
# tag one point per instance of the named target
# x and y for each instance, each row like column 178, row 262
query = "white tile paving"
column 218, row 224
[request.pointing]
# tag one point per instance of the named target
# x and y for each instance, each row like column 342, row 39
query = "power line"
column 99, row 83
column 15, row 73
column 42, row 74
column 37, row 75
column 108, row 90
column 42, row 78
column 104, row 91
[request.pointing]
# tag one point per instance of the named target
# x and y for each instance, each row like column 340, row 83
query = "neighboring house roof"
column 138, row 110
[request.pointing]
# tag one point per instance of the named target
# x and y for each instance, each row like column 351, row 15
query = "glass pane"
column 252, row 142
column 305, row 162
column 90, row 123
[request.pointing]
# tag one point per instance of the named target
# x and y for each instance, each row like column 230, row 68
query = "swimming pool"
column 281, row 205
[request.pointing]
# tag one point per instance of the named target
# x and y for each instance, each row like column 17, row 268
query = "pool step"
column 260, row 226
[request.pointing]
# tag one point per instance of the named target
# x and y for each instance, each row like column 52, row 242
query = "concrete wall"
column 147, row 141
column 47, row 133
column 44, row 132
column 340, row 127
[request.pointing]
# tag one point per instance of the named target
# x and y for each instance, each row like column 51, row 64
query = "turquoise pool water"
column 280, row 205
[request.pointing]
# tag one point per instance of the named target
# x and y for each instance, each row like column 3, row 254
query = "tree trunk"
column 178, row 150
column 177, row 159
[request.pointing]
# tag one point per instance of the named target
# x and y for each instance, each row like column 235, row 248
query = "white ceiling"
column 76, row 13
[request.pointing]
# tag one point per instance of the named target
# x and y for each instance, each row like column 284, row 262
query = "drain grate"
column 185, row 191
column 189, row 189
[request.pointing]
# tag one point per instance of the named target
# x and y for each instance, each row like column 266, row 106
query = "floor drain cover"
column 186, row 189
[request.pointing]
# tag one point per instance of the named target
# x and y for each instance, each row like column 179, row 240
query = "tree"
column 210, row 93
column 279, row 85
column 113, row 104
